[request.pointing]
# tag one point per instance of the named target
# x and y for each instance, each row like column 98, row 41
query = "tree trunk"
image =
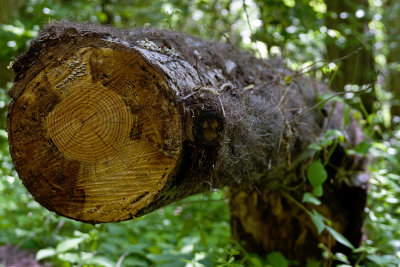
column 107, row 125
column 8, row 9
column 390, row 19
column 357, row 65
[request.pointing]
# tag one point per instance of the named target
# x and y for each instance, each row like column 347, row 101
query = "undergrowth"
column 196, row 231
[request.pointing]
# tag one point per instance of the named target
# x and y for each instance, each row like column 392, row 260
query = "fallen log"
column 106, row 125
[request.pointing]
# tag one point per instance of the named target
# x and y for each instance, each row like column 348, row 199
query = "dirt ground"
column 12, row 256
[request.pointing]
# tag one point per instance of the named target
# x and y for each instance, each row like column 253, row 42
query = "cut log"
column 107, row 125
column 93, row 127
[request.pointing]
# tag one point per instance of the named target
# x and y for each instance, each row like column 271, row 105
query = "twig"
column 222, row 106
column 248, row 23
column 121, row 259
column 333, row 61
column 297, row 203
column 326, row 100
column 58, row 228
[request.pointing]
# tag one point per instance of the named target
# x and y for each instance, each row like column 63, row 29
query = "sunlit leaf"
column 45, row 253
column 309, row 198
column 318, row 221
column 69, row 244
column 334, row 134
column 342, row 258
column 70, row 257
column 101, row 261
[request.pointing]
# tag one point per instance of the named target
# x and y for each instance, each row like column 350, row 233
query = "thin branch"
column 249, row 24
column 333, row 61
column 297, row 203
column 121, row 259
column 326, row 100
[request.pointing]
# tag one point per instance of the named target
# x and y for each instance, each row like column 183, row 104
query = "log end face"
column 96, row 134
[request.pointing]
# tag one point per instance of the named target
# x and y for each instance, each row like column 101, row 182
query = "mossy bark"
column 209, row 115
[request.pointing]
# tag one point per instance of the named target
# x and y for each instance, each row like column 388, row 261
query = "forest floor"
column 12, row 256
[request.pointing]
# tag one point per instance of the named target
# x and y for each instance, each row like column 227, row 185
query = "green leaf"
column 315, row 146
column 326, row 142
column 94, row 246
column 313, row 263
column 342, row 258
column 309, row 198
column 288, row 79
column 318, row 221
column 45, row 253
column 234, row 251
column 101, row 261
column 362, row 148
column 154, row 250
column 231, row 259
column 255, row 262
column 276, row 259
column 70, row 257
column 3, row 134
column 334, row 134
column 316, row 173
column 131, row 261
column 339, row 237
column 318, row 191
column 380, row 260
column 69, row 244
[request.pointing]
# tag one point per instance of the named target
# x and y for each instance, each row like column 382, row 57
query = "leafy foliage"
column 317, row 175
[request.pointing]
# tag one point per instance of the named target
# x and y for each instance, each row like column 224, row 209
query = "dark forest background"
column 350, row 45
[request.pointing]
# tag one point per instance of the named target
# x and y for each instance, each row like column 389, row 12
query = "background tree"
column 392, row 8
column 350, row 39
column 8, row 10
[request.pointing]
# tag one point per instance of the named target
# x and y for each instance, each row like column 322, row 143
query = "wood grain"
column 96, row 114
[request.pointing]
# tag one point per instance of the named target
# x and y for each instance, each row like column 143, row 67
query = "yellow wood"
column 107, row 138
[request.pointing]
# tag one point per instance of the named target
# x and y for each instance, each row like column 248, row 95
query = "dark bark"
column 234, row 122
column 8, row 9
column 390, row 19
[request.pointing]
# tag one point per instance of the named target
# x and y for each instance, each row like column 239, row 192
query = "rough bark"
column 107, row 125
